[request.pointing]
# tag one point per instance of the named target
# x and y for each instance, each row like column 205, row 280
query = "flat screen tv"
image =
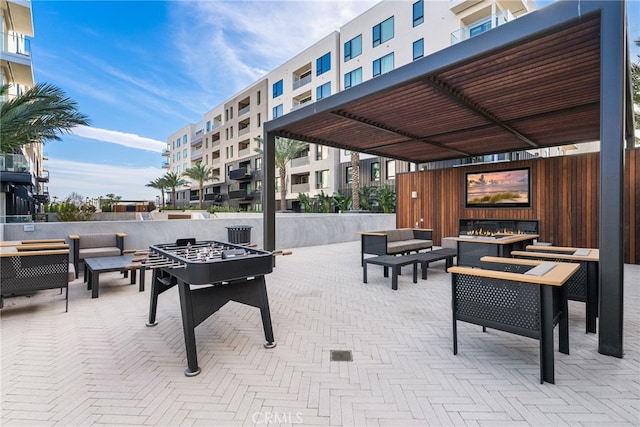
column 506, row 188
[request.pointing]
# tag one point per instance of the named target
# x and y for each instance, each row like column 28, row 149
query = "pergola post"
column 269, row 190
column 612, row 141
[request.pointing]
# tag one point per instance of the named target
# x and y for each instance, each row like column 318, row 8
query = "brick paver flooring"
column 99, row 364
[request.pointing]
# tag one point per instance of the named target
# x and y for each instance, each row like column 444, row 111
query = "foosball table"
column 208, row 275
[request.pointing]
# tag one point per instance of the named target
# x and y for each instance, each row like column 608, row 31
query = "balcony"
column 481, row 26
column 215, row 197
column 241, row 195
column 44, row 176
column 300, row 161
column 165, row 165
column 166, row 152
column 241, row 174
column 15, row 54
column 244, row 131
column 244, row 110
column 197, row 138
column 300, row 188
column 196, row 155
column 301, row 82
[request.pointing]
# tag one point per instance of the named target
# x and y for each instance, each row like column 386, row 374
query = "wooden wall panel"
column 565, row 198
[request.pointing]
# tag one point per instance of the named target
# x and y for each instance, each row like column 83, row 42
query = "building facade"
column 383, row 38
column 23, row 176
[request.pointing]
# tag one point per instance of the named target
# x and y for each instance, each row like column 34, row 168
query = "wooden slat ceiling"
column 539, row 93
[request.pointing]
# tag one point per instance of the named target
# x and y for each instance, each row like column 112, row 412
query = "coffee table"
column 424, row 258
column 95, row 266
column 395, row 262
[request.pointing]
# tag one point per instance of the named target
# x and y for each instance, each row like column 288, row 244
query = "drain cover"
column 341, row 356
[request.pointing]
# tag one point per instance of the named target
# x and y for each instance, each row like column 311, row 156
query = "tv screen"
column 509, row 188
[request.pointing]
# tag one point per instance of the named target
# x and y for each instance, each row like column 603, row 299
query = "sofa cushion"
column 405, row 234
column 392, row 235
column 98, row 252
column 408, row 245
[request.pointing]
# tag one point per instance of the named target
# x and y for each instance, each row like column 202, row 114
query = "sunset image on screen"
column 501, row 187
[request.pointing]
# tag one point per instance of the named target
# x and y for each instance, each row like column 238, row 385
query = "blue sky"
column 142, row 70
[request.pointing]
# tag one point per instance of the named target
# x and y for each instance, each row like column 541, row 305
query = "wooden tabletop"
column 499, row 241
column 559, row 252
column 557, row 276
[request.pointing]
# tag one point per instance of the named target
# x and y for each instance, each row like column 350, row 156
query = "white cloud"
column 127, row 139
column 237, row 42
column 94, row 180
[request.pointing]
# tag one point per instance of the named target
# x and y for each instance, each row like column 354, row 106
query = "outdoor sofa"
column 395, row 242
column 95, row 245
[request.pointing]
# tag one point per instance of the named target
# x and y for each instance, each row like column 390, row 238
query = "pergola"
column 553, row 77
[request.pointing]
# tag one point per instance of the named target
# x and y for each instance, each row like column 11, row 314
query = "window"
column 375, row 171
column 231, row 132
column 184, row 167
column 353, row 78
column 231, row 151
column 383, row 32
column 178, row 154
column 231, row 113
column 322, row 152
column 418, row 49
column 323, row 91
column 277, row 184
column 208, row 125
column 259, row 164
column 226, row 134
column 184, row 153
column 277, row 111
column 391, row 169
column 259, row 121
column 184, row 139
column 278, row 88
column 323, row 64
column 258, row 100
column 383, row 65
column 226, row 152
column 178, row 142
column 349, row 175
column 418, row 13
column 322, row 179
column 353, row 48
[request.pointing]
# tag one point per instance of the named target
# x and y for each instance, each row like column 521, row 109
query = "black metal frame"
column 616, row 130
column 525, row 309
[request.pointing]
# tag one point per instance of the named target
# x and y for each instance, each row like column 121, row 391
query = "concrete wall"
column 292, row 229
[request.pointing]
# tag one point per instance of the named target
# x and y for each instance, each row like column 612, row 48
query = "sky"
column 142, row 70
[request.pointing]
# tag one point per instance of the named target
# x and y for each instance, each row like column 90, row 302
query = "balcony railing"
column 301, row 82
column 481, row 26
column 16, row 44
column 244, row 152
column 244, row 110
column 165, row 165
column 241, row 174
column 44, row 176
column 166, row 152
column 300, row 161
column 300, row 188
column 196, row 154
column 241, row 195
column 13, row 163
column 244, row 131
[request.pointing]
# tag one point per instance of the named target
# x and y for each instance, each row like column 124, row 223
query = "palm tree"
column 42, row 112
column 158, row 184
column 200, row 173
column 173, row 180
column 355, row 181
column 285, row 150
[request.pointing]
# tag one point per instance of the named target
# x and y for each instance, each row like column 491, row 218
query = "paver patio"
column 99, row 364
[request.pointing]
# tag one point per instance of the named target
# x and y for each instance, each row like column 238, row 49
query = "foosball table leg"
column 266, row 316
column 188, row 327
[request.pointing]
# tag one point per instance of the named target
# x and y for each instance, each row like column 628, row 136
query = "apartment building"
column 383, row 38
column 23, row 175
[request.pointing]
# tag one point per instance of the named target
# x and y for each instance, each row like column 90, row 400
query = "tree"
column 173, row 180
column 200, row 173
column 41, row 113
column 285, row 150
column 355, row 181
column 158, row 184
